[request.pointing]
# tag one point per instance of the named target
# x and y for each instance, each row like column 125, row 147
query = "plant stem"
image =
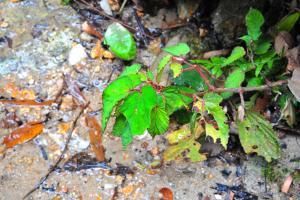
column 251, row 89
column 212, row 88
column 195, row 67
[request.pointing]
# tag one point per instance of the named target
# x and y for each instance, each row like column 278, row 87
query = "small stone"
column 62, row 188
column 210, row 176
column 86, row 37
column 119, row 179
column 108, row 186
column 4, row 24
column 144, row 145
column 126, row 191
column 155, row 151
column 218, row 197
column 57, row 198
column 67, row 103
column 77, row 54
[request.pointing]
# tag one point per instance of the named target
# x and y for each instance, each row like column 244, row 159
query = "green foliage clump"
column 141, row 104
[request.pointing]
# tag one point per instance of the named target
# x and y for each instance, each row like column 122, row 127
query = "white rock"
column 77, row 54
column 106, row 7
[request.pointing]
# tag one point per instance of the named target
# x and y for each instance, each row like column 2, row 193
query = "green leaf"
column 262, row 47
column 159, row 121
column 234, row 80
column 254, row 21
column 176, row 98
column 132, row 69
column 211, row 104
column 176, row 68
column 122, row 129
column 179, row 49
column 257, row 136
column 255, row 81
column 120, row 41
column 192, row 79
column 161, row 66
column 246, row 39
column 288, row 22
column 150, row 75
column 115, row 92
column 237, row 53
column 137, row 109
column 179, row 150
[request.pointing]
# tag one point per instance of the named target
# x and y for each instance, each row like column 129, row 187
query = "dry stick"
column 91, row 7
column 53, row 167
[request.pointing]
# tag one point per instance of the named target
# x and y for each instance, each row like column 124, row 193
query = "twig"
column 53, row 167
column 100, row 12
column 141, row 27
column 251, row 89
column 122, row 6
column 289, row 130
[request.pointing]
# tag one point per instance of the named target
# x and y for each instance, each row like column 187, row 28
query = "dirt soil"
column 42, row 34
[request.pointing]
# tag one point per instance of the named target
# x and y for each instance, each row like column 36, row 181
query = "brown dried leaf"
column 97, row 51
column 27, row 102
column 293, row 58
column 167, row 193
column 96, row 138
column 283, row 42
column 294, row 83
column 287, row 184
column 23, row 134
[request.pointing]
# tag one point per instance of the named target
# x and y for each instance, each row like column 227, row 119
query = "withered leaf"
column 23, row 134
column 167, row 193
column 294, row 83
column 27, row 102
column 96, row 138
column 74, row 90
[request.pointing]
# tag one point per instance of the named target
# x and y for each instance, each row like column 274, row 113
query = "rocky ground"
column 36, row 38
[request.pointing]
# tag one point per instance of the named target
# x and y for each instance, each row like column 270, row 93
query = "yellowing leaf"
column 176, row 68
column 185, row 148
column 183, row 133
column 257, row 136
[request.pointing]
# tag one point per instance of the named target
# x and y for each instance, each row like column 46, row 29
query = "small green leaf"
column 161, row 66
column 288, row 22
column 257, row 136
column 120, row 41
column 255, row 81
column 159, row 121
column 150, row 75
column 262, row 47
column 132, row 69
column 122, row 129
column 234, row 80
column 137, row 109
column 246, row 39
column 115, row 92
column 176, row 98
column 179, row 49
column 237, row 53
column 211, row 104
column 254, row 21
column 176, row 68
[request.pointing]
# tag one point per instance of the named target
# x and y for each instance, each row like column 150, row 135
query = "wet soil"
column 42, row 35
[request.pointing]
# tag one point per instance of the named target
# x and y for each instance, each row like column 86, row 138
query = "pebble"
column 86, row 37
column 108, row 186
column 77, row 54
column 218, row 197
